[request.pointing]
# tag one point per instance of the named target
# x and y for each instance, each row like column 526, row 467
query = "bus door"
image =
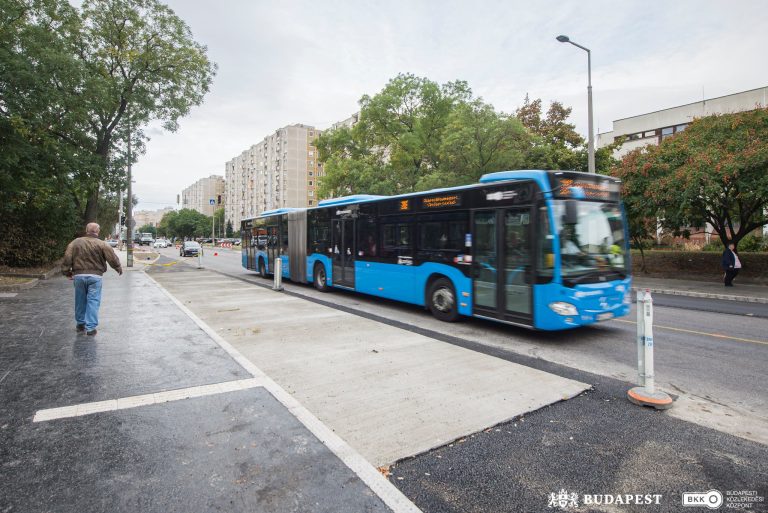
column 343, row 246
column 273, row 246
column 501, row 264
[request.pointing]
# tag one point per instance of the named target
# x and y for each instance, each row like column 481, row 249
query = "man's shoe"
column 80, row 327
column 90, row 333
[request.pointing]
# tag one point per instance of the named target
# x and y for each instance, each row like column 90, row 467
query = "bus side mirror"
column 571, row 215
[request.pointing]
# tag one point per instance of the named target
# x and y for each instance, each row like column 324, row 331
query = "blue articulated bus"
column 546, row 250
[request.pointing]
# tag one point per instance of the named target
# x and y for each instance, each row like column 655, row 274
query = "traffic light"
column 219, row 199
column 122, row 220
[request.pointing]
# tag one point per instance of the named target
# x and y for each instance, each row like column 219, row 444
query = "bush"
column 750, row 243
column 715, row 245
column 37, row 237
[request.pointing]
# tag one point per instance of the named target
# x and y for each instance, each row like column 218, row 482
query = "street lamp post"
column 591, row 157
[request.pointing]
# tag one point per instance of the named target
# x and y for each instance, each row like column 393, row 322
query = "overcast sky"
column 310, row 61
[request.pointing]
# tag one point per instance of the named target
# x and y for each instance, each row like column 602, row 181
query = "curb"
column 21, row 286
column 690, row 293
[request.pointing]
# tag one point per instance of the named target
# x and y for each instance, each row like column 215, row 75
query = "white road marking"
column 367, row 473
column 9, row 294
column 124, row 403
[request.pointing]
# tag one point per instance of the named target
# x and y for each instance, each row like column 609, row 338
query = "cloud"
column 309, row 62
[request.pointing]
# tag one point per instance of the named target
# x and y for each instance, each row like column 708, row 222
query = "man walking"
column 731, row 264
column 84, row 262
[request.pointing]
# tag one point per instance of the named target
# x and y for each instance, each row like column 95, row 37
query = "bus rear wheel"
column 262, row 268
column 442, row 300
column 321, row 280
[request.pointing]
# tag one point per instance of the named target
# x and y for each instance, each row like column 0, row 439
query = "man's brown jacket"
column 89, row 255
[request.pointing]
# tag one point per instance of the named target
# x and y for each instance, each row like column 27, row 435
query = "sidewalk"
column 154, row 415
column 712, row 289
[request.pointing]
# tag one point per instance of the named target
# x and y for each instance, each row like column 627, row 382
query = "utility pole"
column 129, row 207
column 119, row 221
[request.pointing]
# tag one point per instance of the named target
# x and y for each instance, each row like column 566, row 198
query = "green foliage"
column 185, row 223
column 229, row 230
column 73, row 84
column 416, row 134
column 147, row 228
column 716, row 171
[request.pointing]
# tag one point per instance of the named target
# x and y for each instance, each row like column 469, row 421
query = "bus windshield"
column 594, row 244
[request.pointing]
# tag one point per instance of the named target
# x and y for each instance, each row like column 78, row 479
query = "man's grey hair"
column 92, row 229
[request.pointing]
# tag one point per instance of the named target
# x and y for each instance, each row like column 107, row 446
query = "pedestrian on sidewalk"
column 731, row 264
column 84, row 262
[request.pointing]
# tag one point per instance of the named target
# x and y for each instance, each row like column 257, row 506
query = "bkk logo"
column 712, row 499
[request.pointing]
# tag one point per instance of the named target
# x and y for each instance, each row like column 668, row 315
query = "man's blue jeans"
column 87, row 301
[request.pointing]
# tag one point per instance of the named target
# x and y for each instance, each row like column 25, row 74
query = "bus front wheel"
column 321, row 280
column 262, row 268
column 442, row 300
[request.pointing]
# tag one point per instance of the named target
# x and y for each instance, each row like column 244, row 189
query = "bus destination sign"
column 449, row 200
column 567, row 187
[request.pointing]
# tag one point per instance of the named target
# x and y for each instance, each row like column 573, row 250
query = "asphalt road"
column 597, row 443
column 710, row 354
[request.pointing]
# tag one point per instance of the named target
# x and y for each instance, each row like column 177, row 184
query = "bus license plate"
column 604, row 316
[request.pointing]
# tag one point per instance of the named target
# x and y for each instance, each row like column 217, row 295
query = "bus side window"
column 396, row 240
column 366, row 237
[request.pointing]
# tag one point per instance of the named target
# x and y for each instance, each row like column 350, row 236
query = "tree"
column 397, row 141
column 716, row 172
column 141, row 64
column 229, row 231
column 478, row 140
column 73, row 85
column 147, row 228
column 556, row 143
column 185, row 223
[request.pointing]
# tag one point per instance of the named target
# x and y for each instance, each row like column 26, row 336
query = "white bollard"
column 200, row 258
column 648, row 342
column 278, row 284
column 646, row 394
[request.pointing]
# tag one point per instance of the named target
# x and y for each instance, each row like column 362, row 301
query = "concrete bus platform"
column 153, row 415
column 388, row 392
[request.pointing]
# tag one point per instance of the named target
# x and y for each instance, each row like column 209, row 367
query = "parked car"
column 190, row 248
column 237, row 242
column 160, row 243
column 112, row 242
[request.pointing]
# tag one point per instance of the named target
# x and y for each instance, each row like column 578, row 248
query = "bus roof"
column 540, row 176
column 345, row 200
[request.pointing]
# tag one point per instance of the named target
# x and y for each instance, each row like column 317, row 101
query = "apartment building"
column 198, row 196
column 653, row 127
column 150, row 217
column 281, row 171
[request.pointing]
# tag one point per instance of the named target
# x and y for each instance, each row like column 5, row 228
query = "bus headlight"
column 563, row 308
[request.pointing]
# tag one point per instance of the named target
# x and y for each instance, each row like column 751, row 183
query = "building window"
column 651, row 133
column 666, row 132
column 680, row 128
column 311, row 202
column 311, row 153
column 311, row 193
column 311, row 173
column 310, row 182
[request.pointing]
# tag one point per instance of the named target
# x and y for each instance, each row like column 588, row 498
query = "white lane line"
column 367, row 473
column 134, row 401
